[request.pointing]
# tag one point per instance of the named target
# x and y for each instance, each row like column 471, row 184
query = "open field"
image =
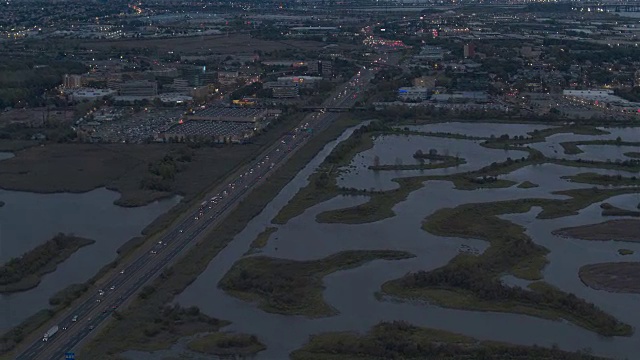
column 399, row 340
column 620, row 277
column 221, row 44
column 128, row 332
column 121, row 167
column 129, row 168
column 621, row 230
column 294, row 287
column 25, row 272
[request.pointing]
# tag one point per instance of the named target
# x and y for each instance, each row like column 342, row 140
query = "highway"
column 78, row 323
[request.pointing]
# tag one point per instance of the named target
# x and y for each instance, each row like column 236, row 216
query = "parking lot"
column 135, row 128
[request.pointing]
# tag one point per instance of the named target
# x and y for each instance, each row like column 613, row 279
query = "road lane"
column 124, row 285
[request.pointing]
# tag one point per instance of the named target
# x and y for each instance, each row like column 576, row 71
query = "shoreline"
column 70, row 245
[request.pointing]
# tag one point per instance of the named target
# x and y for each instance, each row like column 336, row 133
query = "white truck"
column 50, row 333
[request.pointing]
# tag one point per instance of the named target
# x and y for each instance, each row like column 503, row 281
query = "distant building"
column 413, row 93
column 282, row 91
column 430, row 53
column 469, row 50
column 199, row 92
column 320, row 67
column 228, row 77
column 181, row 85
column 72, row 81
column 89, row 94
column 425, row 81
column 141, row 88
column 301, row 81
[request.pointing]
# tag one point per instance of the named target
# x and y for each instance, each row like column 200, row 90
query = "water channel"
column 352, row 292
column 29, row 219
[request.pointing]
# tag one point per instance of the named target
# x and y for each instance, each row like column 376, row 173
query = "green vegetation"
column 572, row 147
column 23, row 81
column 625, row 252
column 632, row 154
column 322, row 183
column 621, row 230
column 65, row 296
column 472, row 282
column 610, row 210
column 14, row 336
column 436, row 162
column 261, row 240
column 25, row 272
column 619, row 277
column 400, row 340
column 600, row 179
column 294, row 287
column 128, row 332
column 535, row 136
column 225, row 344
column 632, row 166
column 527, row 185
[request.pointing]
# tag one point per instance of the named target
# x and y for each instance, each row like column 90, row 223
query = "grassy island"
column 472, row 282
column 294, row 287
column 572, row 147
column 400, row 340
column 527, row 185
column 449, row 161
column 25, row 272
column 620, row 277
column 227, row 344
column 625, row 252
column 261, row 240
column 621, row 230
column 632, row 154
column 602, row 179
column 610, row 210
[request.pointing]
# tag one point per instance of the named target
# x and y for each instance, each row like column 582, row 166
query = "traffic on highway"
column 78, row 323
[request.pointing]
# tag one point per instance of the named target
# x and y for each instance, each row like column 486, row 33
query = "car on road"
column 74, row 318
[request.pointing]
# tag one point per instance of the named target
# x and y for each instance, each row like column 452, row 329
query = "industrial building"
column 72, row 81
column 139, row 88
column 282, row 91
column 413, row 93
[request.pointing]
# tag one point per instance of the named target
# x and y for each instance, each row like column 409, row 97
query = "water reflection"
column 352, row 292
column 29, row 219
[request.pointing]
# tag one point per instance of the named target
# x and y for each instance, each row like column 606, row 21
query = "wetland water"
column 29, row 219
column 352, row 292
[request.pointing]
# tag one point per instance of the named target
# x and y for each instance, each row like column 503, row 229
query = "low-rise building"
column 282, row 91
column 139, row 88
column 413, row 93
